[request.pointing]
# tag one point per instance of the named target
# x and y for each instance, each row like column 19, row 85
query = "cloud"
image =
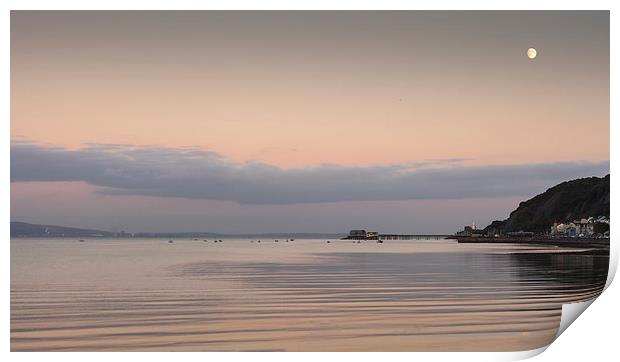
column 198, row 174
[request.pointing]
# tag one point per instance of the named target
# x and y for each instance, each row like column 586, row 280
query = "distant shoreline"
column 183, row 236
column 27, row 230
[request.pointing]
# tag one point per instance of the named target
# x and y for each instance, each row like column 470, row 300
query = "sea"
column 104, row 294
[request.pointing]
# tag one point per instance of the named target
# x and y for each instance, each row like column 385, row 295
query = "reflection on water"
column 306, row 295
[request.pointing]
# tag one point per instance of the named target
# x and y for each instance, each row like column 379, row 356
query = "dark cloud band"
column 193, row 173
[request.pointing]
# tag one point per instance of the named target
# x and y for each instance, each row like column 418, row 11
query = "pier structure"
column 412, row 236
column 379, row 236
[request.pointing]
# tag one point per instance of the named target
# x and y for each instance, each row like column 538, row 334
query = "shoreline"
column 601, row 244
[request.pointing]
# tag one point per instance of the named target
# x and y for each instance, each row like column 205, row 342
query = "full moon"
column 531, row 53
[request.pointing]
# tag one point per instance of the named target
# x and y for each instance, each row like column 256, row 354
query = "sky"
column 237, row 122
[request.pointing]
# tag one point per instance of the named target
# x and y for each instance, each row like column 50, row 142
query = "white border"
column 593, row 333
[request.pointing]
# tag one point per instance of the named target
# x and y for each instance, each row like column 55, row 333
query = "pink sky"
column 301, row 90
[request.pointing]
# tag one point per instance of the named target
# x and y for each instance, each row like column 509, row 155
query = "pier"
column 412, row 236
column 399, row 237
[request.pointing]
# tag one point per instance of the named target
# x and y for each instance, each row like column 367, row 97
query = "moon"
column 531, row 53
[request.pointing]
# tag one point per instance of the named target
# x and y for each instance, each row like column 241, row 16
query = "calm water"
column 306, row 295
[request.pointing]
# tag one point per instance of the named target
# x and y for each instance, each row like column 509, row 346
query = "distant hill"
column 567, row 201
column 24, row 229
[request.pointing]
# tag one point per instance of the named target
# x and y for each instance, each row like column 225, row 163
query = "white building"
column 582, row 228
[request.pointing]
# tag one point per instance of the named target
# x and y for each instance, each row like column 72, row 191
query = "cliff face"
column 567, row 201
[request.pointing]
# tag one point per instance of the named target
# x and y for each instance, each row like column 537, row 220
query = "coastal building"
column 581, row 228
column 361, row 234
column 470, row 231
column 558, row 228
column 571, row 230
